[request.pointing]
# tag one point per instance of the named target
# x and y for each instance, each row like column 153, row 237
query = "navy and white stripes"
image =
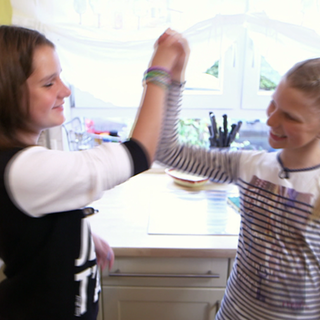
column 216, row 165
column 276, row 274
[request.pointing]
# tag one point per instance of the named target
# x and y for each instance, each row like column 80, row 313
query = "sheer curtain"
column 105, row 45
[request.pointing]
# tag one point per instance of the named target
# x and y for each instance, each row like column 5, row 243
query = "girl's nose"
column 273, row 118
column 68, row 91
column 65, row 90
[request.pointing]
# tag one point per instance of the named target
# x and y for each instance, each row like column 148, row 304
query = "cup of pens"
column 222, row 136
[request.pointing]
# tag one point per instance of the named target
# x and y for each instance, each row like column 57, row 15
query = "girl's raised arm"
column 167, row 64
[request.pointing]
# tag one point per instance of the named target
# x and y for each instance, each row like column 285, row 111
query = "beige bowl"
column 186, row 179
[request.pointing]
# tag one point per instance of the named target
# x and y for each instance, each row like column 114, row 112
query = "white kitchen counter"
column 126, row 211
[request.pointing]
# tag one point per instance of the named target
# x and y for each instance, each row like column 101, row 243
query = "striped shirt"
column 276, row 274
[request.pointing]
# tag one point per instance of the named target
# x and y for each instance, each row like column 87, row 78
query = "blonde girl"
column 276, row 274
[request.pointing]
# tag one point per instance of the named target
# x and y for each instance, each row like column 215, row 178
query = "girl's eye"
column 48, row 85
column 290, row 117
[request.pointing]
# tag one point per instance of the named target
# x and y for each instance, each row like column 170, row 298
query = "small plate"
column 186, row 179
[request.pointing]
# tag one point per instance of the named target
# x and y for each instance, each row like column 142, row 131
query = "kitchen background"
column 239, row 51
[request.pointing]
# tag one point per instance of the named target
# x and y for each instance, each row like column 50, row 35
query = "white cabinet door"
column 100, row 314
column 154, row 303
column 231, row 262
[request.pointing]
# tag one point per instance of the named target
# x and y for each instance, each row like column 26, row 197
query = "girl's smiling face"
column 294, row 120
column 46, row 91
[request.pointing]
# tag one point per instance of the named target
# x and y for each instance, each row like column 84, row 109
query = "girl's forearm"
column 149, row 119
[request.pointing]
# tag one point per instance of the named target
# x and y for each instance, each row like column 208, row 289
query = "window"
column 239, row 49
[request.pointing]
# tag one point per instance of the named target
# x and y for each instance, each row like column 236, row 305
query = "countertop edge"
column 174, row 252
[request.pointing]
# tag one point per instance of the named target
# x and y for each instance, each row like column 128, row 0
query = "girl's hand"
column 171, row 52
column 104, row 253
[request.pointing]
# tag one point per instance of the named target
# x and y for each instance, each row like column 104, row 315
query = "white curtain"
column 105, row 45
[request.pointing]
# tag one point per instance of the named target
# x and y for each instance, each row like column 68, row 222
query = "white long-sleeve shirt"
column 42, row 181
column 45, row 240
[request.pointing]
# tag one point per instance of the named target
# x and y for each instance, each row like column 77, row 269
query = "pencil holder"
column 222, row 136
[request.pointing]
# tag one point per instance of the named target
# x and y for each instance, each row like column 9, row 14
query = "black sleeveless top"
column 50, row 263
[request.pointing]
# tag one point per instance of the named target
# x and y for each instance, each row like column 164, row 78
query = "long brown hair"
column 17, row 46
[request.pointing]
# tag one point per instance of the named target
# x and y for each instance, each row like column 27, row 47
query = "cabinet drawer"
column 191, row 272
column 145, row 303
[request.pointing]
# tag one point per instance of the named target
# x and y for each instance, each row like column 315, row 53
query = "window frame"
column 239, row 96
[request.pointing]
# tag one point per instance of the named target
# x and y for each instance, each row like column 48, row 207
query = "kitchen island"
column 127, row 211
column 172, row 261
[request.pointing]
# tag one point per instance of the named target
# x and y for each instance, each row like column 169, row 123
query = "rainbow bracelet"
column 158, row 76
